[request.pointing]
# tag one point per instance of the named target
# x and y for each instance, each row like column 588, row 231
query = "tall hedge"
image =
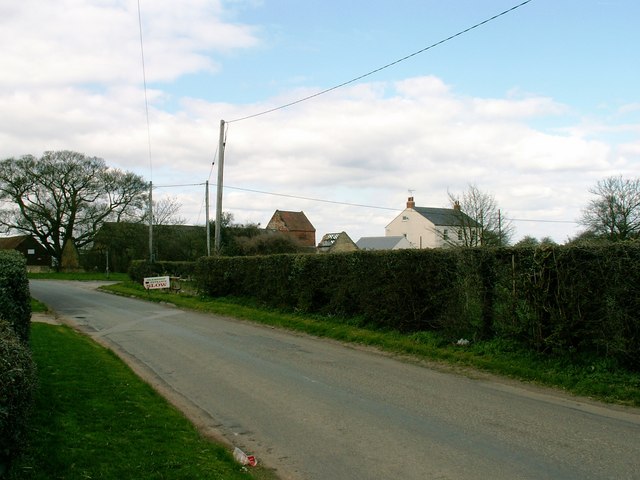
column 580, row 298
column 553, row 298
column 15, row 299
column 407, row 290
column 17, row 384
column 17, row 371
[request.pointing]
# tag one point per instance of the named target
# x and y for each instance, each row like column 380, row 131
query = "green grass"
column 94, row 418
column 38, row 307
column 586, row 376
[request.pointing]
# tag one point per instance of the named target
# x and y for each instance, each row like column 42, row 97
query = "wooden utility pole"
column 206, row 202
column 151, row 222
column 219, row 188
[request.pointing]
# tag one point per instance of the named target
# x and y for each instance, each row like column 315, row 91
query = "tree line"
column 65, row 196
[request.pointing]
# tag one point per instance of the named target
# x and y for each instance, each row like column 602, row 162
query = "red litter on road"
column 244, row 459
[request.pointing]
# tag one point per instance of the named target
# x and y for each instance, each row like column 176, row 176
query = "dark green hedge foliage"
column 17, row 371
column 15, row 299
column 139, row 269
column 558, row 299
column 17, row 385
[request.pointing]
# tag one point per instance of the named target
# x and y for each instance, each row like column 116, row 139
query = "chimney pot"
column 411, row 203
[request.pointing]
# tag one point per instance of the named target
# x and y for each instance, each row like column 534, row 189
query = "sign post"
column 151, row 283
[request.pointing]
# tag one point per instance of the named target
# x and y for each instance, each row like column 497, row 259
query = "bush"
column 555, row 299
column 15, row 300
column 17, row 384
column 581, row 299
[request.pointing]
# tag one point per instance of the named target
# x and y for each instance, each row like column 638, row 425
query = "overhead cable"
column 353, row 80
column 146, row 102
column 349, row 204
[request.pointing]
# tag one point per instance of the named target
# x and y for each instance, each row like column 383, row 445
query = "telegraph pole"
column 219, row 188
column 206, row 202
column 151, row 222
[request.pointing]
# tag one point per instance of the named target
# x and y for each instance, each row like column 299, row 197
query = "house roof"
column 295, row 221
column 9, row 243
column 379, row 243
column 329, row 239
column 445, row 216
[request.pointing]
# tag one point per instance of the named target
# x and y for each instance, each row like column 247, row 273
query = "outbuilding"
column 38, row 259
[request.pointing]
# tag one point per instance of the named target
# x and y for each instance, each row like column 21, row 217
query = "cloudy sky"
column 533, row 107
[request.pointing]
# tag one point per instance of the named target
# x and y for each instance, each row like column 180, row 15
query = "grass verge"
column 82, row 276
column 94, row 418
column 592, row 377
column 38, row 307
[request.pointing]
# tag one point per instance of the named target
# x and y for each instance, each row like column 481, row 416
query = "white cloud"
column 73, row 81
column 84, row 42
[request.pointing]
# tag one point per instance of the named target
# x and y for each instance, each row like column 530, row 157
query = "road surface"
column 317, row 409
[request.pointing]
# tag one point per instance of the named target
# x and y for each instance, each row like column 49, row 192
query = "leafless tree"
column 165, row 212
column 65, row 196
column 614, row 213
column 482, row 222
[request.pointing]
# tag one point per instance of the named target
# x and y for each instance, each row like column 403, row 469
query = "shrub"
column 17, row 384
column 555, row 299
column 15, row 300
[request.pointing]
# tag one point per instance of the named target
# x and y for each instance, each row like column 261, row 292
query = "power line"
column 353, row 80
column 349, row 204
column 541, row 221
column 309, row 198
column 144, row 80
column 180, row 185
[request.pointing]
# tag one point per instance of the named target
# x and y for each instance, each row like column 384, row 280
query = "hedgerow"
column 15, row 302
column 555, row 299
column 17, row 370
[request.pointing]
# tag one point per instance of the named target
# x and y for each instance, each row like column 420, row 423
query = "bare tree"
column 66, row 196
column 165, row 212
column 614, row 213
column 482, row 222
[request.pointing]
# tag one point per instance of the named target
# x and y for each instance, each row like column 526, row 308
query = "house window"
column 445, row 234
column 31, row 251
column 405, row 218
column 459, row 235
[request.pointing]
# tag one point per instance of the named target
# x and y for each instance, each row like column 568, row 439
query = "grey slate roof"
column 445, row 216
column 378, row 243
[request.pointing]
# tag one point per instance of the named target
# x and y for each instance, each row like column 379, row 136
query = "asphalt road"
column 317, row 409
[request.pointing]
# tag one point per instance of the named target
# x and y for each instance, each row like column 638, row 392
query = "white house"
column 427, row 227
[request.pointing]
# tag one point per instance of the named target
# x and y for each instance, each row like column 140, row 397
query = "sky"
column 533, row 107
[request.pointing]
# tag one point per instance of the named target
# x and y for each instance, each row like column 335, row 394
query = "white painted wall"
column 419, row 231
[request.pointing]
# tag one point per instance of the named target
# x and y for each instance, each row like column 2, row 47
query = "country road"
column 317, row 409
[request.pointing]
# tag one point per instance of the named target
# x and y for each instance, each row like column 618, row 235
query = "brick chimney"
column 456, row 206
column 411, row 203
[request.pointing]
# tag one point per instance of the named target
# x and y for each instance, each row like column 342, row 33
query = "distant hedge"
column 560, row 298
column 15, row 300
column 17, row 370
